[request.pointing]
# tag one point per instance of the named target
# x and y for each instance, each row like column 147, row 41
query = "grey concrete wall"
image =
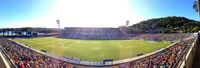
column 196, row 60
column 2, row 65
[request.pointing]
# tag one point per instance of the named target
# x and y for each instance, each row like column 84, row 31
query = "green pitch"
column 93, row 50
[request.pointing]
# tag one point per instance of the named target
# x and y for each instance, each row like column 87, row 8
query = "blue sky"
column 14, row 12
column 89, row 13
column 162, row 8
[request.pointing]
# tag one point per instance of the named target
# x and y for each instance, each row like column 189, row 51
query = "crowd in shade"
column 93, row 33
column 163, row 37
column 24, row 57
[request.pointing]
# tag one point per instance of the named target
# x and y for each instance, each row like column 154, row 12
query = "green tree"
column 195, row 7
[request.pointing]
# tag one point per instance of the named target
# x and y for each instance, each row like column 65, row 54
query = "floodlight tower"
column 58, row 23
column 127, row 22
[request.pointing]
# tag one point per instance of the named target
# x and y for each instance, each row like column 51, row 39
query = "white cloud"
column 87, row 13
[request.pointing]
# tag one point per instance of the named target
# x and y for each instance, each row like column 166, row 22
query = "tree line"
column 171, row 24
column 26, row 31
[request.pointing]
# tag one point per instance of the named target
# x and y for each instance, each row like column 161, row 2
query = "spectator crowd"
column 163, row 37
column 24, row 57
column 93, row 33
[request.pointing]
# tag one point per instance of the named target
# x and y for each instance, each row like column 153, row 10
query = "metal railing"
column 102, row 64
column 7, row 57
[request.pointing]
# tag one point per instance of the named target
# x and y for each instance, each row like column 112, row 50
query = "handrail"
column 181, row 59
column 89, row 63
column 116, row 62
column 186, row 53
column 6, row 63
column 9, row 61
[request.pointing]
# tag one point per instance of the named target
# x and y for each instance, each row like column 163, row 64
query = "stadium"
column 82, row 47
column 157, row 38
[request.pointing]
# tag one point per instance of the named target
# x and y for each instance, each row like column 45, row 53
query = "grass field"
column 93, row 50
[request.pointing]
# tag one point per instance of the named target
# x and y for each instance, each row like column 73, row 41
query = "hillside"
column 167, row 25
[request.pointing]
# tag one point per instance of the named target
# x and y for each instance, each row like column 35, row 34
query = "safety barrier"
column 180, row 62
column 187, row 60
column 96, row 64
column 6, row 59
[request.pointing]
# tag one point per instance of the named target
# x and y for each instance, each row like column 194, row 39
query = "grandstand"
column 30, row 39
column 172, row 56
column 86, row 33
column 163, row 37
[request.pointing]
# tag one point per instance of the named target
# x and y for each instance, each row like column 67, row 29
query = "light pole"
column 58, row 23
column 127, row 22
